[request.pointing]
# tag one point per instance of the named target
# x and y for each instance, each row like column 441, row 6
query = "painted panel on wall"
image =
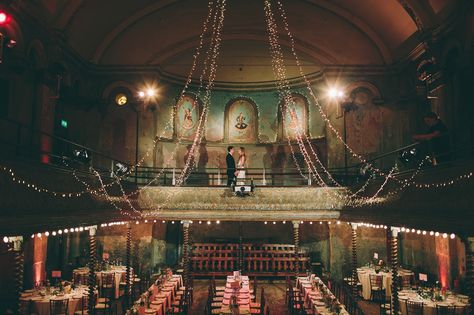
column 187, row 117
column 241, row 122
column 296, row 118
column 364, row 125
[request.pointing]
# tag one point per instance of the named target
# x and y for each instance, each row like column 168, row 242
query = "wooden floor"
column 274, row 293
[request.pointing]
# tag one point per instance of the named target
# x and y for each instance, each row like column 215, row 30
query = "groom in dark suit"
column 230, row 162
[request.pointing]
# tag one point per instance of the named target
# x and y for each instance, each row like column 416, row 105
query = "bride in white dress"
column 241, row 165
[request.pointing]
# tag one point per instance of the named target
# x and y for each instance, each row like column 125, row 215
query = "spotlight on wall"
column 335, row 93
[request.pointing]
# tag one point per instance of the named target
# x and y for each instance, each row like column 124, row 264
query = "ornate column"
column 19, row 266
column 186, row 252
column 469, row 245
column 92, row 262
column 296, row 240
column 354, row 277
column 394, row 265
column 128, row 258
column 241, row 249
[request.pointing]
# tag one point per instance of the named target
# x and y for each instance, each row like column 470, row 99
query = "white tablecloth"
column 429, row 307
column 40, row 304
column 364, row 278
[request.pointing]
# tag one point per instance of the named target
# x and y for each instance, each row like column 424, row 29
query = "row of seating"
column 257, row 259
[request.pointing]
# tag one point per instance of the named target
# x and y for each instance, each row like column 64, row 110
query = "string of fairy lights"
column 80, row 229
column 315, row 169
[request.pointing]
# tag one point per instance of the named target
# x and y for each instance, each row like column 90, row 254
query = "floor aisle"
column 274, row 293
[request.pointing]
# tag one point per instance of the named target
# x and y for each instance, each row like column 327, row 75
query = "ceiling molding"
column 320, row 55
column 345, row 15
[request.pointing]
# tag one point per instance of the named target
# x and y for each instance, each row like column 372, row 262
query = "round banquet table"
column 429, row 306
column 40, row 304
column 364, row 278
column 118, row 271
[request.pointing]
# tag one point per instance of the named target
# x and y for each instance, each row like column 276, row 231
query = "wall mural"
column 187, row 117
column 241, row 122
column 296, row 118
column 364, row 124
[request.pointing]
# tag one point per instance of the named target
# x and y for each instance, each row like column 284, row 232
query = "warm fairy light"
column 335, row 93
column 445, row 235
column 218, row 222
column 284, row 222
column 200, row 222
column 53, row 233
column 39, row 234
column 46, row 233
column 265, row 222
column 274, row 222
column 208, row 222
column 141, row 94
column 424, row 232
column 432, row 233
column 5, row 239
column 452, row 236
column 437, row 234
column 60, row 232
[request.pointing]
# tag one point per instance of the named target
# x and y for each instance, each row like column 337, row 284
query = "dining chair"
column 414, row 308
column 377, row 292
column 405, row 282
column 84, row 305
column 445, row 310
column 58, row 306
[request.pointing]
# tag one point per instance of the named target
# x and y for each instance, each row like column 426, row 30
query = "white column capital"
column 186, row 223
column 354, row 226
column 92, row 230
column 17, row 241
column 296, row 224
column 395, row 231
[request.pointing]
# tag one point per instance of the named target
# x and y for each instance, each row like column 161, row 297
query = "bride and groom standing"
column 236, row 173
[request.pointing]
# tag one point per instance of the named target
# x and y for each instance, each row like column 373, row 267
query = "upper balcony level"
column 87, row 187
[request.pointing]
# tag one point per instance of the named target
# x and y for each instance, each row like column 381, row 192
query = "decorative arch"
column 241, row 121
column 186, row 118
column 295, row 120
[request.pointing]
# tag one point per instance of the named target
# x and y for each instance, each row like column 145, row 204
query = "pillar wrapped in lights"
column 128, row 258
column 19, row 266
column 469, row 245
column 394, row 264
column 354, row 278
column 296, row 240
column 186, row 252
column 92, row 262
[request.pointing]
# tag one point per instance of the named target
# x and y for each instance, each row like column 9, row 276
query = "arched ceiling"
column 164, row 33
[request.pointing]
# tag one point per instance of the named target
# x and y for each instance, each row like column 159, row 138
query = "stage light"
column 4, row 18
column 332, row 93
column 150, row 92
column 82, row 156
column 141, row 94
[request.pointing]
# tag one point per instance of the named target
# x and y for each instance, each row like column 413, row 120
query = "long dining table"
column 312, row 296
column 162, row 296
column 236, row 286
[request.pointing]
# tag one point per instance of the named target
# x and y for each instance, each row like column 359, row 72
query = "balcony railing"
column 23, row 142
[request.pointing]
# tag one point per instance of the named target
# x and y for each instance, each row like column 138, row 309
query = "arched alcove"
column 187, row 115
column 241, row 121
column 294, row 120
